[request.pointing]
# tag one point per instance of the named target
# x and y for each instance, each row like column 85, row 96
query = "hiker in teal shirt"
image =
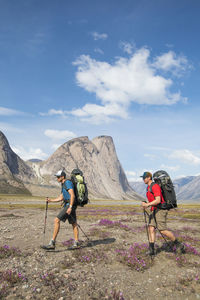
column 68, row 212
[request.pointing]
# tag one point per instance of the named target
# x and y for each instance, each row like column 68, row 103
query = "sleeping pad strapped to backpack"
column 164, row 181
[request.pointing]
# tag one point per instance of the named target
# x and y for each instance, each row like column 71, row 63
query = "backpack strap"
column 150, row 188
column 65, row 188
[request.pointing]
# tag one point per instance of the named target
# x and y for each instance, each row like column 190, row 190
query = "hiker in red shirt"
column 157, row 216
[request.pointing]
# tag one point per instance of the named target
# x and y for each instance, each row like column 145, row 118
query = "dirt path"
column 103, row 269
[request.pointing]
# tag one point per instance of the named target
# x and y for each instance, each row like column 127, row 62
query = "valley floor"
column 113, row 266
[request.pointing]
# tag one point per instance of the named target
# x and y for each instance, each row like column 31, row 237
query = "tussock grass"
column 191, row 216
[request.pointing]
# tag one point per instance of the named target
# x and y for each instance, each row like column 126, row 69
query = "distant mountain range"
column 97, row 159
column 187, row 188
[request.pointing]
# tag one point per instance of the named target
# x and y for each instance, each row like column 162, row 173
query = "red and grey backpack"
column 164, row 181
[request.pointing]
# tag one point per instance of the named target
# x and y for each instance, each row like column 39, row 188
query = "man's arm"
column 60, row 198
column 153, row 203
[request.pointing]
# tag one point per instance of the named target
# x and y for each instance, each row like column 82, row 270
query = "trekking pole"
column 145, row 218
column 81, row 229
column 163, row 236
column 45, row 221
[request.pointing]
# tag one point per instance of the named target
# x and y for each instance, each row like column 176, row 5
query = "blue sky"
column 129, row 69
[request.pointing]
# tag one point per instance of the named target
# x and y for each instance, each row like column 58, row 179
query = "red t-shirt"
column 156, row 191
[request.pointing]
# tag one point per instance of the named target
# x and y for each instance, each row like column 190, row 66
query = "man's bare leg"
column 76, row 232
column 152, row 234
column 56, row 228
column 168, row 234
column 152, row 237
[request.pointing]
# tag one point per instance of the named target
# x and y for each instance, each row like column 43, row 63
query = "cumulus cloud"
column 30, row 153
column 171, row 62
column 9, row 112
column 97, row 114
column 185, row 156
column 134, row 79
column 59, row 134
column 99, row 36
column 117, row 85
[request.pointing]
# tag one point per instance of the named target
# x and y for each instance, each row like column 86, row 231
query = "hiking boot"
column 51, row 245
column 75, row 245
column 180, row 247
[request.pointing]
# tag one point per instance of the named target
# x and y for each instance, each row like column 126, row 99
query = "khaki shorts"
column 158, row 219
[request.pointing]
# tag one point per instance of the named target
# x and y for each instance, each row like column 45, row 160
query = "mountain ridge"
column 97, row 158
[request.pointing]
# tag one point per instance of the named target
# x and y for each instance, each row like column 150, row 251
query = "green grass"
column 28, row 206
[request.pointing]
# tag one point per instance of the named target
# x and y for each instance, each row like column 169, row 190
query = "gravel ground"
column 105, row 268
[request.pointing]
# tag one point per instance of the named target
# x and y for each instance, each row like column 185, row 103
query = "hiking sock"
column 151, row 248
column 176, row 242
column 151, row 245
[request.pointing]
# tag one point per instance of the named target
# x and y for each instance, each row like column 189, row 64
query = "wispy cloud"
column 98, row 50
column 127, row 47
column 185, row 156
column 35, row 44
column 150, row 156
column 54, row 112
column 170, row 168
column 99, row 36
column 59, row 134
column 10, row 112
column 6, row 127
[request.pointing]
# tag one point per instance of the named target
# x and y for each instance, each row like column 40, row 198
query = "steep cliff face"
column 12, row 169
column 99, row 163
column 97, row 159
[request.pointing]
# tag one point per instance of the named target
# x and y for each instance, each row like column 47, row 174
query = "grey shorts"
column 158, row 219
column 63, row 215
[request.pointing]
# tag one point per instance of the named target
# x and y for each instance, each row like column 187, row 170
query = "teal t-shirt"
column 67, row 185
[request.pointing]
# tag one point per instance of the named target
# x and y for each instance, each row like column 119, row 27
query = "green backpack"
column 80, row 187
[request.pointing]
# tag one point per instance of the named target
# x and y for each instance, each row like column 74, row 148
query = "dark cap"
column 146, row 174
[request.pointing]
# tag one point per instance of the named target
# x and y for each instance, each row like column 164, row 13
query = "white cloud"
column 59, row 134
column 133, row 176
column 117, row 85
column 159, row 148
column 185, row 156
column 99, row 36
column 30, row 153
column 98, row 50
column 150, row 156
column 171, row 62
column 170, row 168
column 97, row 114
column 54, row 112
column 9, row 112
column 127, row 47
